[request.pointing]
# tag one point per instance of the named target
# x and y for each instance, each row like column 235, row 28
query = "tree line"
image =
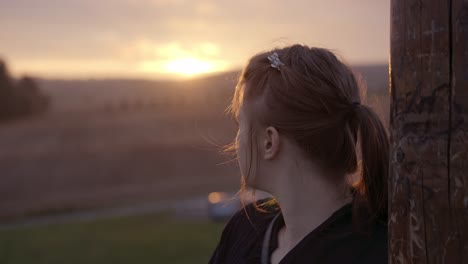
column 19, row 98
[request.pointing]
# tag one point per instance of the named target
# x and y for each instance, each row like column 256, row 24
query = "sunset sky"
column 172, row 38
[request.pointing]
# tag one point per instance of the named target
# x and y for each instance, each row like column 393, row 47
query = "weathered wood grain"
column 458, row 167
column 428, row 164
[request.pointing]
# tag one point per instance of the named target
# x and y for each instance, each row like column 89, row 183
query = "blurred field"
column 122, row 144
column 138, row 239
column 88, row 154
column 113, row 143
column 67, row 163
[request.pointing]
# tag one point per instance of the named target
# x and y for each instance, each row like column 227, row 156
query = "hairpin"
column 275, row 61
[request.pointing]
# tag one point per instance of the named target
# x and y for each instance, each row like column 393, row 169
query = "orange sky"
column 173, row 38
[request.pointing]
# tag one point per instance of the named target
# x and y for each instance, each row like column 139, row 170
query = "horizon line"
column 173, row 78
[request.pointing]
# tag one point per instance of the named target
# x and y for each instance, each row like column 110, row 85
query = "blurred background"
column 112, row 117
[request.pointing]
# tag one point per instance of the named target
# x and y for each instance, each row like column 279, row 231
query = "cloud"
column 132, row 31
column 175, row 57
column 145, row 48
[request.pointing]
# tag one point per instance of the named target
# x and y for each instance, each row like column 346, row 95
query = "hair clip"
column 275, row 61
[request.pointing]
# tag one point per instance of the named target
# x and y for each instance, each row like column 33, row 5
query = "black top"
column 336, row 240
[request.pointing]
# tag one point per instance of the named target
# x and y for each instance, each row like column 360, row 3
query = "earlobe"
column 271, row 144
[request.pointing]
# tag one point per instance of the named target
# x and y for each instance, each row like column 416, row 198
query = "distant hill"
column 376, row 76
column 90, row 95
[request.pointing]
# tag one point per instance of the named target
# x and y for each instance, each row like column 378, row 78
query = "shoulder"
column 244, row 229
column 340, row 240
column 377, row 251
column 374, row 246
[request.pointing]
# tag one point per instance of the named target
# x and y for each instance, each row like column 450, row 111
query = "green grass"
column 157, row 238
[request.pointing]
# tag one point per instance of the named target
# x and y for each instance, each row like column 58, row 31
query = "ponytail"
column 375, row 159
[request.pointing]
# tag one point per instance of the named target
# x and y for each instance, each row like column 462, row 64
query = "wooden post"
column 428, row 184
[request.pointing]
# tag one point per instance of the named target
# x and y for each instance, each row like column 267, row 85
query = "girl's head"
column 312, row 102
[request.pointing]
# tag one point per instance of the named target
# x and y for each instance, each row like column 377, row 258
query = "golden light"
column 215, row 197
column 185, row 67
column 177, row 60
column 189, row 66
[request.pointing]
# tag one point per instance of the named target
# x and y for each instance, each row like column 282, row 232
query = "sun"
column 189, row 66
column 183, row 67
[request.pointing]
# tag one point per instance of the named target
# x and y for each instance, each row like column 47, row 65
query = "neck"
column 306, row 201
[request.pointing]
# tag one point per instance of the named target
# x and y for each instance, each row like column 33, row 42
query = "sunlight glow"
column 184, row 67
column 176, row 59
column 189, row 66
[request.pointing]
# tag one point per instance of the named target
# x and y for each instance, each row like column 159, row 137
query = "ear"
column 271, row 143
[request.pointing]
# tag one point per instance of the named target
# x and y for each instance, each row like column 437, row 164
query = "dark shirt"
column 336, row 240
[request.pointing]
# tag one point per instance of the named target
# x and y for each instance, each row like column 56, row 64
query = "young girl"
column 300, row 118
